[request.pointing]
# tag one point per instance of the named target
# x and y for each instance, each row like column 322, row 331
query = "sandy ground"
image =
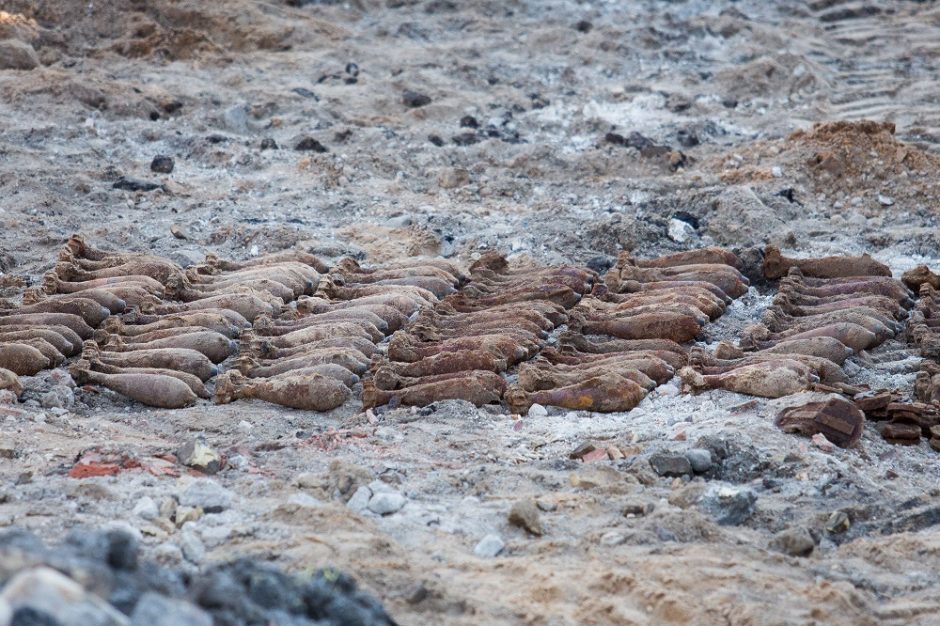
column 725, row 86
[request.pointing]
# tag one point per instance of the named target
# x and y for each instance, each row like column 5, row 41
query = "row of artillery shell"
column 313, row 355
column 166, row 328
column 626, row 336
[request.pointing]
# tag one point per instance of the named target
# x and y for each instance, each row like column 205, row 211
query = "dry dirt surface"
column 554, row 131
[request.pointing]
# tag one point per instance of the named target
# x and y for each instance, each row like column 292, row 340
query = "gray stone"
column 386, row 502
column 793, row 541
column 157, row 610
column 537, row 410
column 45, row 590
column 146, row 508
column 525, row 514
column 16, row 55
column 206, row 494
column 489, row 546
column 192, row 546
column 58, row 397
column 666, row 464
column 360, row 500
column 729, row 506
column 700, row 459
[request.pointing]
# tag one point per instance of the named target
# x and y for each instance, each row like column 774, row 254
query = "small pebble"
column 489, row 546
column 309, row 144
column 386, row 502
column 413, row 99
column 537, row 410
column 162, row 164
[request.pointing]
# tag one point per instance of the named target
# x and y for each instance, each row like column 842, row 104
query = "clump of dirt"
column 843, row 159
column 156, row 30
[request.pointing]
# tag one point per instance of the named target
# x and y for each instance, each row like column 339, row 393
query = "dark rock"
column 638, row 141
column 268, row 143
column 306, row 93
column 583, row 26
column 913, row 522
column 131, row 184
column 352, row 69
column 752, row 265
column 413, row 99
column 730, row 103
column 229, row 594
column 788, row 194
column 468, row 121
column 615, row 138
column 687, row 138
column 309, row 144
column 666, row 464
column 436, row 140
column 162, row 164
column 600, row 264
column 466, row 139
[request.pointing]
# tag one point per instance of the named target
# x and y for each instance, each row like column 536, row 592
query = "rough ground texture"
column 523, row 143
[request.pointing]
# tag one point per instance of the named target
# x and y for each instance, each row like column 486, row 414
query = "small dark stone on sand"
column 638, row 141
column 436, row 140
column 616, row 139
column 172, row 106
column 468, row 121
column 730, row 103
column 162, row 164
column 583, row 26
column 687, row 138
column 309, row 144
column 539, row 101
column 352, row 69
column 268, row 143
column 154, row 116
column 306, row 93
column 413, row 99
column 131, row 184
column 466, row 139
column 787, row 194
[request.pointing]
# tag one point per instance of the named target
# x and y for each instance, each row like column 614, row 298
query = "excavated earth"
column 553, row 131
